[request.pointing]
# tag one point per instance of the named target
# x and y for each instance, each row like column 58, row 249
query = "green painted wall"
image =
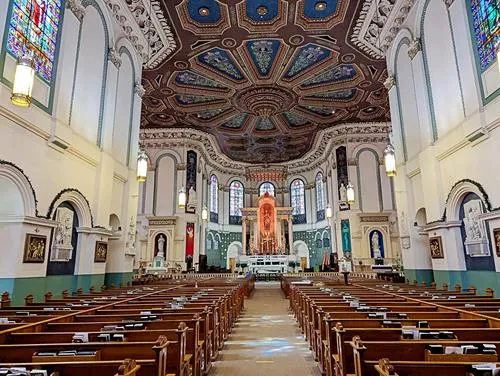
column 316, row 255
column 480, row 279
column 419, row 275
column 18, row 288
column 117, row 278
column 218, row 256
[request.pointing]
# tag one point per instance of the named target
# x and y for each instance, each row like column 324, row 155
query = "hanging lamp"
column 142, row 166
column 390, row 160
column 23, row 81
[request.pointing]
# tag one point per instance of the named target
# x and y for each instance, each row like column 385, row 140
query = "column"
column 244, row 233
column 290, row 234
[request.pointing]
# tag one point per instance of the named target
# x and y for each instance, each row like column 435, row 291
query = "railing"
column 365, row 275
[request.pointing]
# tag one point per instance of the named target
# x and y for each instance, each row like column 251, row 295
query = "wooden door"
column 232, row 263
column 303, row 263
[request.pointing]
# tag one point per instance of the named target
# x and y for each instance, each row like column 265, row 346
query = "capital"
column 139, row 89
column 76, row 8
column 114, row 57
column 414, row 47
column 390, row 81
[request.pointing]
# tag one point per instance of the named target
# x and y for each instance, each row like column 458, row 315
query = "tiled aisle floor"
column 266, row 340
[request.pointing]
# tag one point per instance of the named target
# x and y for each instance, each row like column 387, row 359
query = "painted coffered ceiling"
column 265, row 76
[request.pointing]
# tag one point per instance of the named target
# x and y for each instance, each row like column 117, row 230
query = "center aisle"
column 266, row 340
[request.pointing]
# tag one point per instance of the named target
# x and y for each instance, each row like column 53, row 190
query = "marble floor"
column 266, row 340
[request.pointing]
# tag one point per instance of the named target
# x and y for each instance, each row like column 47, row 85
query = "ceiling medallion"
column 264, row 102
column 204, row 11
column 320, row 6
column 262, row 10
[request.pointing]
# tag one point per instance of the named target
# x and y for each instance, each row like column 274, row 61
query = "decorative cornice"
column 114, row 57
column 390, row 81
column 145, row 25
column 414, row 48
column 76, row 8
column 139, row 89
column 324, row 145
column 377, row 25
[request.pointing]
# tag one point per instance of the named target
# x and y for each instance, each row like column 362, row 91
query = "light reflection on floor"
column 266, row 340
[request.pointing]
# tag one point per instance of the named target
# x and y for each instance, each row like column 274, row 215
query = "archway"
column 301, row 251
column 233, row 251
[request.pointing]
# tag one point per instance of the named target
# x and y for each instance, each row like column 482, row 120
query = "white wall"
column 449, row 120
column 58, row 146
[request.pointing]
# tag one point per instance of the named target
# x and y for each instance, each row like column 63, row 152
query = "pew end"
column 129, row 367
column 385, row 368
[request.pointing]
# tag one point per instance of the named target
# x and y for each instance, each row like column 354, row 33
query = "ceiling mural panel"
column 263, row 77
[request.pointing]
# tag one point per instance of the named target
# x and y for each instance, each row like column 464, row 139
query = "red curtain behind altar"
column 189, row 239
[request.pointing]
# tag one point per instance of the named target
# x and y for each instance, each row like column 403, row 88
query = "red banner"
column 189, row 239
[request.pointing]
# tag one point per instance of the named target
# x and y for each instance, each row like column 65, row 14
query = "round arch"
column 16, row 176
column 78, row 201
column 458, row 193
column 301, row 251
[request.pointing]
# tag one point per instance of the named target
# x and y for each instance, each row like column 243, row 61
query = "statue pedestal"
column 477, row 248
column 158, row 266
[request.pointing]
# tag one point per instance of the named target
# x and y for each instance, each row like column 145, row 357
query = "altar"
column 267, row 229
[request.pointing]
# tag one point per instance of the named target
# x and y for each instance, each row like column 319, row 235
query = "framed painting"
column 496, row 240
column 436, row 246
column 101, row 251
column 34, row 248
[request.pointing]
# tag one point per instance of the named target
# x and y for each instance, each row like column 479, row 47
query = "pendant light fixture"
column 390, row 160
column 142, row 166
column 23, row 81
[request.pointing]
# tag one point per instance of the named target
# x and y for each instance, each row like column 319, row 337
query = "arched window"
column 298, row 201
column 33, row 30
column 486, row 25
column 236, row 192
column 320, row 197
column 214, row 199
column 266, row 187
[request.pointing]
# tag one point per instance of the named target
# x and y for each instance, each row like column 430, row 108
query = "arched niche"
column 457, row 195
column 376, row 243
column 17, row 196
column 114, row 223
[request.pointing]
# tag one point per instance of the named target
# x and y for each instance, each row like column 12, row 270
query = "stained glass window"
column 298, row 201
column 266, row 187
column 486, row 22
column 33, row 30
column 236, row 192
column 320, row 193
column 214, row 199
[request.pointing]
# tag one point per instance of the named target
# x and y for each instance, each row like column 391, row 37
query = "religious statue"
column 131, row 234
column 160, row 244
column 375, row 241
column 471, row 222
column 192, row 200
column 343, row 193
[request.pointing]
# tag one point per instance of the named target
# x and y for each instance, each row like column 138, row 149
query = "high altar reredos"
column 266, row 226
